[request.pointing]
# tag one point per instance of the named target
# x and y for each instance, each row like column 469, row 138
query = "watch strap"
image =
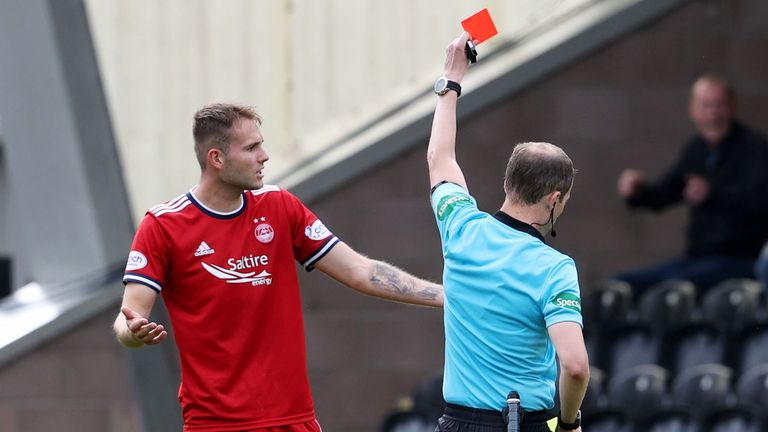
column 453, row 85
column 569, row 426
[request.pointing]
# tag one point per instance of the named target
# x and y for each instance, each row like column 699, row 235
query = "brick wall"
column 78, row 383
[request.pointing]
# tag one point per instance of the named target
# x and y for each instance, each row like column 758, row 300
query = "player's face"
column 245, row 158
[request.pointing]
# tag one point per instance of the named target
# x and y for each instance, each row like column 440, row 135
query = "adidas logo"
column 203, row 249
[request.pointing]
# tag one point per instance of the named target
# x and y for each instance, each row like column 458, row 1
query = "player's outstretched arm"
column 441, row 152
column 377, row 278
column 131, row 327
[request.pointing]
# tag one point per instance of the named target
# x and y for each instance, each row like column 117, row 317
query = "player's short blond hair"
column 212, row 126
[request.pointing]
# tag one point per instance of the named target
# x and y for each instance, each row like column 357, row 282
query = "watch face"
column 441, row 85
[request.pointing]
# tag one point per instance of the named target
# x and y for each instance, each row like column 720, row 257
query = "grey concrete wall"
column 59, row 150
column 308, row 66
column 622, row 106
column 11, row 240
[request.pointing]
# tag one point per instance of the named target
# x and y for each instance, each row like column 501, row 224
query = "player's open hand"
column 146, row 332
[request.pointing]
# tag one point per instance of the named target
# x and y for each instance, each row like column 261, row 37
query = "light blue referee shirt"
column 503, row 288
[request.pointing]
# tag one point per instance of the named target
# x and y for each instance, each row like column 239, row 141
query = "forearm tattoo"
column 400, row 283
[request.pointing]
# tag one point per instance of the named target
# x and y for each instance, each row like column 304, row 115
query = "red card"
column 480, row 26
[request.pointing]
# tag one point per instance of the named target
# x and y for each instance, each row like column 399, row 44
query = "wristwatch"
column 443, row 84
column 569, row 426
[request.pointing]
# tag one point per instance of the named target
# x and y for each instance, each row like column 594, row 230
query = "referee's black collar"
column 518, row 225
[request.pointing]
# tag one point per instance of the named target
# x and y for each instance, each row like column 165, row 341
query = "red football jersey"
column 230, row 285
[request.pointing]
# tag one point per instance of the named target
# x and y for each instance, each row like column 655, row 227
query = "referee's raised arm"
column 441, row 154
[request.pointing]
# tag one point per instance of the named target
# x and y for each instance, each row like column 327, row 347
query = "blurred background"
column 96, row 105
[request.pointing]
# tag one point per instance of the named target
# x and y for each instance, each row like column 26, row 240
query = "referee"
column 512, row 304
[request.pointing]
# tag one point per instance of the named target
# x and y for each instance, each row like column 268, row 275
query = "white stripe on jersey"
column 264, row 189
column 311, row 261
column 181, row 201
column 170, row 203
column 142, row 280
column 179, row 207
column 165, row 207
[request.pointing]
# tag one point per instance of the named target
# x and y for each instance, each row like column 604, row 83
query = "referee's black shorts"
column 458, row 418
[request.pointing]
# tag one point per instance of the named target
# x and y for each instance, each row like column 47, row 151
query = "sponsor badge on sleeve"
column 136, row 261
column 317, row 231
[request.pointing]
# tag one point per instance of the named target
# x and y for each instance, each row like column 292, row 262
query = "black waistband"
column 495, row 417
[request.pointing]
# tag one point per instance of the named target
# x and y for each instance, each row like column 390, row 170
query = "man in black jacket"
column 722, row 176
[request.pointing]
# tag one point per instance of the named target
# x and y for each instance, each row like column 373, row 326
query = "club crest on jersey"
column 264, row 232
column 136, row 261
column 317, row 231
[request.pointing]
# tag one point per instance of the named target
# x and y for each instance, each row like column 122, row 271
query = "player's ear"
column 215, row 158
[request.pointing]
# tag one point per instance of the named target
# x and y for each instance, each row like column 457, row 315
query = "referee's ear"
column 553, row 198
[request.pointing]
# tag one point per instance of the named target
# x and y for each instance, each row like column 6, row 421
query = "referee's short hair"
column 535, row 170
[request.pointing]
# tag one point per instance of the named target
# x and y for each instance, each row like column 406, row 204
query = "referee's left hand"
column 456, row 62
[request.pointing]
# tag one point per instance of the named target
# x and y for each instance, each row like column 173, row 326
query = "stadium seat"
column 702, row 389
column 639, row 391
column 732, row 304
column 419, row 411
column 408, row 421
column 753, row 350
column 752, row 387
column 592, row 341
column 695, row 345
column 668, row 305
column 428, row 397
column 609, row 420
column 672, row 420
column 734, row 420
column 594, row 399
column 629, row 346
column 608, row 303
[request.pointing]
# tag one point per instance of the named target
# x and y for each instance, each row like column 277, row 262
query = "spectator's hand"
column 696, row 190
column 578, row 429
column 456, row 62
column 629, row 182
column 148, row 333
